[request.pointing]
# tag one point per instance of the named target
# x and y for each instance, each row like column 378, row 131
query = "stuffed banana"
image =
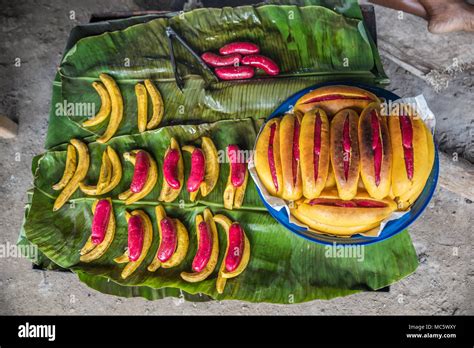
column 140, row 237
column 174, row 241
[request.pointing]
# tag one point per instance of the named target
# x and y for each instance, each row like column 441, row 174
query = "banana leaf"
column 334, row 47
column 284, row 268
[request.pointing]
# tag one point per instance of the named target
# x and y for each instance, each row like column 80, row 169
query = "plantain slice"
column 212, row 166
column 109, row 176
column 79, row 174
column 128, row 196
column 168, row 193
column 157, row 103
column 69, row 169
column 182, row 243
column 192, row 195
column 211, row 264
column 100, row 249
column 105, row 173
column 148, row 238
column 142, row 106
column 225, row 222
column 105, row 106
column 116, row 171
column 229, row 194
column 240, row 192
column 116, row 113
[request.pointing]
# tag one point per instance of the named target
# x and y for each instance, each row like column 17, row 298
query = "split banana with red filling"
column 174, row 241
column 413, row 157
column 204, row 171
column 102, row 232
column 333, row 99
column 140, row 237
column 145, row 176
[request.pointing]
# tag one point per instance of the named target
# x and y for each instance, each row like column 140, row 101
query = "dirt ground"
column 36, row 32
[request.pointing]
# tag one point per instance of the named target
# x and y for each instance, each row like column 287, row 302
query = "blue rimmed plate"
column 392, row 227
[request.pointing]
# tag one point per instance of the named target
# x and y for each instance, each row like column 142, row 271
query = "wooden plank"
column 8, row 128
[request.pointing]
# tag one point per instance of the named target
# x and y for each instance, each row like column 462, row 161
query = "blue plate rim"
column 361, row 240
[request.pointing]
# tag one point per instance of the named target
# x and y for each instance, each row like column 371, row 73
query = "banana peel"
column 99, row 250
column 212, row 166
column 157, row 104
column 142, row 106
column 181, row 245
column 116, row 113
column 110, row 174
column 212, row 263
column 132, row 266
column 226, row 223
column 105, row 106
column 169, row 194
column 79, row 174
column 69, row 169
column 128, row 196
column 234, row 196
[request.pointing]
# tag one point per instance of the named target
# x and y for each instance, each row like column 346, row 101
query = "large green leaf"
column 284, row 268
column 309, row 51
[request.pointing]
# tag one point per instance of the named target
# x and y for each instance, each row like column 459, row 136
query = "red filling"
column 355, row 203
column 346, row 147
column 198, row 170
column 169, row 240
column 335, row 97
column 237, row 165
column 376, row 145
column 100, row 221
column 135, row 237
column 317, row 145
column 236, row 247
column 204, row 248
column 140, row 173
column 271, row 158
column 407, row 142
column 296, row 150
column 170, row 168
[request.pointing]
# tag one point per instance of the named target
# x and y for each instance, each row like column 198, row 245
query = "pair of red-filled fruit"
column 238, row 60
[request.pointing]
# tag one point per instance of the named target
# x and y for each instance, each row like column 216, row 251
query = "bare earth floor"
column 36, row 32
